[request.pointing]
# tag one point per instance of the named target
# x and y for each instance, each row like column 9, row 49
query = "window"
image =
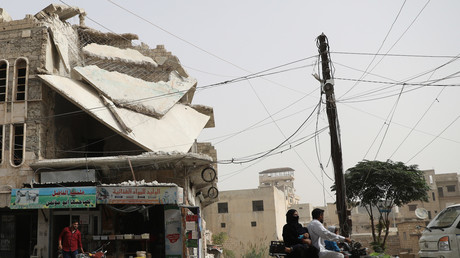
column 3, row 80
column 257, row 205
column 222, row 207
column 222, row 225
column 1, row 143
column 434, row 197
column 17, row 144
column 450, row 188
column 412, row 207
column 253, row 223
column 21, row 79
column 429, row 214
column 440, row 192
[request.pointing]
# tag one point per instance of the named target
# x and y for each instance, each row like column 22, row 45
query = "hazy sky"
column 404, row 108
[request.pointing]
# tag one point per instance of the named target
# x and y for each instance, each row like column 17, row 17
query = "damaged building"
column 98, row 129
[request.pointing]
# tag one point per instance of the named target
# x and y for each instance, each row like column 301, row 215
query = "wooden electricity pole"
column 336, row 149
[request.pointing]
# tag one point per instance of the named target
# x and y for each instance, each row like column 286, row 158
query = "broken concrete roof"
column 113, row 53
column 99, row 35
column 150, row 98
column 64, row 12
column 175, row 131
column 64, row 38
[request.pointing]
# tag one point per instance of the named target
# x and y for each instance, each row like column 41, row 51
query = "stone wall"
column 21, row 39
column 409, row 234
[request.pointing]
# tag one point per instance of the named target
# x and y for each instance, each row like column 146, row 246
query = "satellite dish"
column 421, row 213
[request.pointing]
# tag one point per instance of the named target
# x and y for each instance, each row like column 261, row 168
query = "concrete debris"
column 113, row 53
column 64, row 38
column 64, row 12
column 209, row 111
column 140, row 183
column 4, row 16
column 97, row 36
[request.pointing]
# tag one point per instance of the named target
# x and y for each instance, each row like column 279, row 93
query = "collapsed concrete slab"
column 64, row 12
column 149, row 98
column 175, row 131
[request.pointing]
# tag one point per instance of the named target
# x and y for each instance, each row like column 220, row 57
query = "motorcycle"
column 98, row 253
column 354, row 250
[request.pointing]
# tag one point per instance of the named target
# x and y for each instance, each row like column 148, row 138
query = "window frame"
column 7, row 68
column 2, row 145
column 221, row 208
column 258, row 205
column 16, row 90
column 13, row 144
column 450, row 187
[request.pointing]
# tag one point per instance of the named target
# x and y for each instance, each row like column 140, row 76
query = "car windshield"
column 445, row 218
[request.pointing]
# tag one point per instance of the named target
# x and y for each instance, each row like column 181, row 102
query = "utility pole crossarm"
column 336, row 149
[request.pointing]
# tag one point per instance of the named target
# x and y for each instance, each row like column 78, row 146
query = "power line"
column 259, row 74
column 421, row 118
column 392, row 112
column 413, row 21
column 381, row 45
column 278, row 146
column 391, row 55
column 437, row 136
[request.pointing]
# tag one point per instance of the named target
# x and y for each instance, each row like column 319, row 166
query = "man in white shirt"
column 318, row 233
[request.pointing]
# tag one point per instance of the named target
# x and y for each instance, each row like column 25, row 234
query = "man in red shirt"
column 70, row 241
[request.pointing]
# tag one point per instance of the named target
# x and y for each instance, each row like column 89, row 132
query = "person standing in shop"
column 70, row 241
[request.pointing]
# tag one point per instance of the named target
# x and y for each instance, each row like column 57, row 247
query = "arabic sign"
column 53, row 198
column 139, row 195
column 173, row 227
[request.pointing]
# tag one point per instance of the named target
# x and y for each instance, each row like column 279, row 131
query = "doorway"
column 89, row 224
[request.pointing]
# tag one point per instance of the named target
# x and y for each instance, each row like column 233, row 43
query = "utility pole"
column 336, row 149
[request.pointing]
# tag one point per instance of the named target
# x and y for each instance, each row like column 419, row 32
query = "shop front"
column 56, row 206
column 144, row 219
column 128, row 220
column 18, row 232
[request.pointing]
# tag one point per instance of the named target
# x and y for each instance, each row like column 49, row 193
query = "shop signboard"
column 173, row 226
column 140, row 195
column 53, row 198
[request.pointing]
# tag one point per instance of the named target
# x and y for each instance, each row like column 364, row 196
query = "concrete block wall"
column 208, row 149
column 409, row 235
column 28, row 22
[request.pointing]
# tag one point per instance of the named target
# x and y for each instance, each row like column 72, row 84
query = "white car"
column 441, row 237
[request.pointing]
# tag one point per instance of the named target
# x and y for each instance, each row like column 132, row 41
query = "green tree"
column 378, row 187
column 219, row 239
